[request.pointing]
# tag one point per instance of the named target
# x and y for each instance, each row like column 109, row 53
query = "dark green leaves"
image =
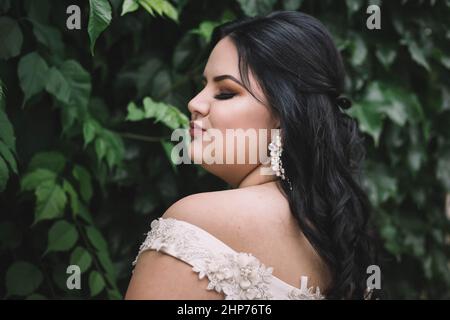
column 70, row 83
column 107, row 144
column 129, row 6
column 41, row 178
column 62, row 236
column 99, row 19
column 84, row 178
column 52, row 160
column 22, row 278
column 50, row 200
column 161, row 7
column 3, row 174
column 96, row 283
column 256, row 7
column 11, row 38
column 7, row 146
column 96, row 238
column 169, row 115
column 386, row 100
column 6, row 131
column 33, row 72
column 81, row 258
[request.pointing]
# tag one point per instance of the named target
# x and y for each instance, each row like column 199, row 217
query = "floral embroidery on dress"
column 239, row 275
column 299, row 294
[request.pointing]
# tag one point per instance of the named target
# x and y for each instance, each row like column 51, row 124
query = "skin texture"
column 253, row 217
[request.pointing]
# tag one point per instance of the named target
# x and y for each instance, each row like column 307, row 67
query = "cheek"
column 245, row 114
column 242, row 113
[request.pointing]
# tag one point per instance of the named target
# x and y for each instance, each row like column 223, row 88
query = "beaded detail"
column 238, row 275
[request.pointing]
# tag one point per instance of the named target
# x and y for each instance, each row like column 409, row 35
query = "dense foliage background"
column 85, row 127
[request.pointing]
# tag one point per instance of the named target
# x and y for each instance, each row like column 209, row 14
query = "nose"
column 198, row 106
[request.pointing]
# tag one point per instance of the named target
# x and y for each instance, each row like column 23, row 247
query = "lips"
column 195, row 126
column 195, row 129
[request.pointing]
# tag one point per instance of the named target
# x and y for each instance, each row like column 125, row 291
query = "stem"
column 140, row 137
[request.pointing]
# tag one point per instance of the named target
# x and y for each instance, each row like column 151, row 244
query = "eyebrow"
column 223, row 77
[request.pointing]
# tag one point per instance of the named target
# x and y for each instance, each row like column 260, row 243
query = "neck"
column 255, row 177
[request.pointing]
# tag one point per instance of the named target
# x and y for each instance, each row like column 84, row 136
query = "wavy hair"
column 294, row 59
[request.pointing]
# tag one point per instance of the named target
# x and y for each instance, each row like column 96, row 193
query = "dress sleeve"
column 238, row 275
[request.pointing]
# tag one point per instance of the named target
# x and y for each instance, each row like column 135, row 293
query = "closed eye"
column 225, row 96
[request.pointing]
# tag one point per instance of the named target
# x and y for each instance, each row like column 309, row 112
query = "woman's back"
column 255, row 220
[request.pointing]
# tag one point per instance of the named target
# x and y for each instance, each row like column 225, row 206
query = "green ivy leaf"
column 96, row 238
column 62, row 236
column 89, row 131
column 129, row 6
column 369, row 118
column 96, row 283
column 4, row 174
column 106, row 263
column 48, row 36
column 33, row 74
column 416, row 52
column 114, row 295
column 84, row 213
column 8, row 156
column 359, row 50
column 256, row 7
column 22, row 278
column 6, row 131
column 84, row 178
column 11, row 38
column 50, row 201
column 99, row 19
column 100, row 148
column 81, row 257
column 134, row 113
column 74, row 200
column 71, row 84
column 205, row 30
column 386, row 55
column 58, row 86
column 52, row 160
column 380, row 183
column 171, row 116
column 162, row 7
column 33, row 179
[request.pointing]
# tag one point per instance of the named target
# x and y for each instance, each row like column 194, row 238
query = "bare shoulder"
column 238, row 217
column 233, row 216
column 256, row 220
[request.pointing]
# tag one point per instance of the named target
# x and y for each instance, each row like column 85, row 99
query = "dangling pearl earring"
column 276, row 149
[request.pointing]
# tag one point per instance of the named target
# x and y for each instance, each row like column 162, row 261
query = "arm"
column 163, row 277
column 158, row 276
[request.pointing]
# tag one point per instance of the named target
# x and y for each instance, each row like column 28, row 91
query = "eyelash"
column 225, row 96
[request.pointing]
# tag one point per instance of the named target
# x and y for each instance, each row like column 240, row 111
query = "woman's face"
column 225, row 104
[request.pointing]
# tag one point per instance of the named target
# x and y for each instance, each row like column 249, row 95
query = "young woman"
column 300, row 233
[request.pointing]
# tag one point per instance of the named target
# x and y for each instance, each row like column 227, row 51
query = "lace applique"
column 239, row 275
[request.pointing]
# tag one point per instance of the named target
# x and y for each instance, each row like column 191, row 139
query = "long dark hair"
column 294, row 59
